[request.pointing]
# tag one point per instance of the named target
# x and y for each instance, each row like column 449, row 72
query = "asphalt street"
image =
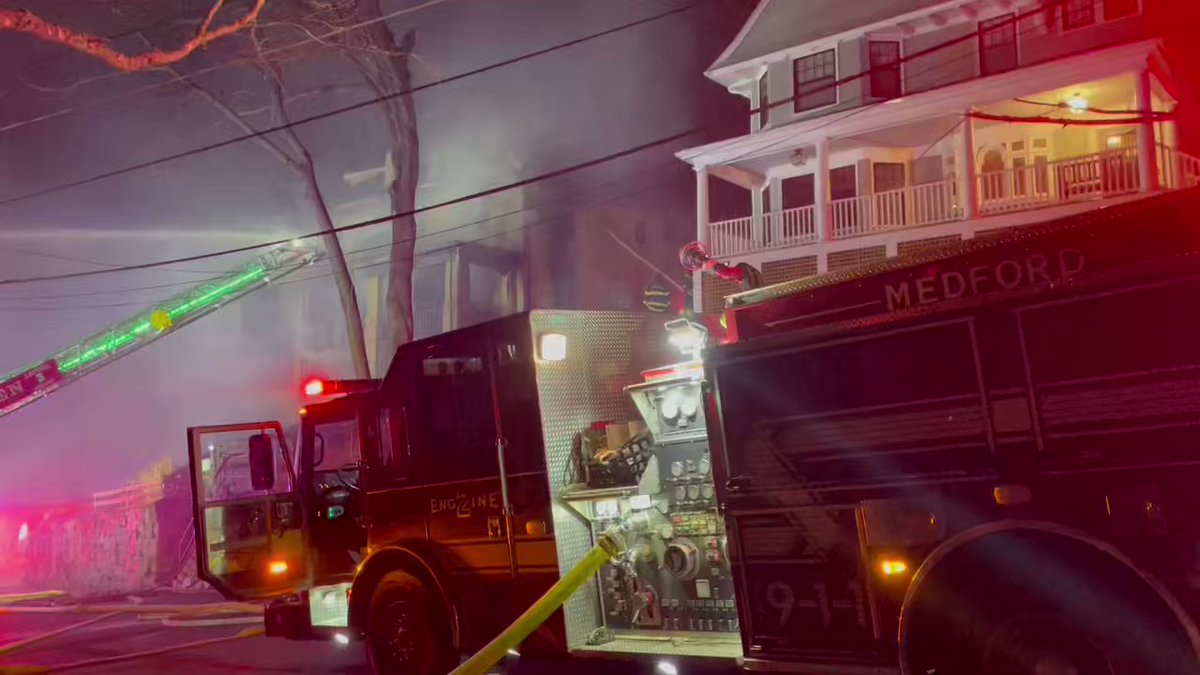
column 95, row 646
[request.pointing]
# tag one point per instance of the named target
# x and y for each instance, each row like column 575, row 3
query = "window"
column 798, row 191
column 1115, row 9
column 393, row 440
column 453, row 424
column 764, row 100
column 998, row 44
column 885, row 69
column 1078, row 13
column 814, row 79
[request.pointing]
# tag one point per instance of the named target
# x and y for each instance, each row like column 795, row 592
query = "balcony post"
column 968, row 182
column 822, row 213
column 1147, row 164
column 702, row 234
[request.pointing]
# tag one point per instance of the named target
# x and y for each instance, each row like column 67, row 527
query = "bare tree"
column 23, row 21
column 383, row 61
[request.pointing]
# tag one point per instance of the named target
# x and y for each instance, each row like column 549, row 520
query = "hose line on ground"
column 610, row 546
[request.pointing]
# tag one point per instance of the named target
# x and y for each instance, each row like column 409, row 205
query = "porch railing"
column 911, row 206
column 1179, row 170
column 791, row 227
column 1095, row 176
column 1098, row 175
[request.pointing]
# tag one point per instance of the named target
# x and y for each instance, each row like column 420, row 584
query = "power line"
column 314, row 39
column 1015, row 21
column 345, row 109
column 568, row 203
column 383, row 219
column 373, row 221
column 548, row 221
column 864, row 107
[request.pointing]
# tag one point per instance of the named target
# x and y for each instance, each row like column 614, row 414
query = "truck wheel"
column 1023, row 604
column 405, row 631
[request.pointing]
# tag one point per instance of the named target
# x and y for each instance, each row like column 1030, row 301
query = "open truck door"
column 249, row 529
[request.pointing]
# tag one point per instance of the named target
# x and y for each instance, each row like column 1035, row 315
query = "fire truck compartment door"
column 249, row 535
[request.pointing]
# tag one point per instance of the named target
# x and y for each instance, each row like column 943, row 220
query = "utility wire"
column 568, row 204
column 864, row 106
column 344, row 109
column 458, row 200
column 548, row 221
column 313, row 39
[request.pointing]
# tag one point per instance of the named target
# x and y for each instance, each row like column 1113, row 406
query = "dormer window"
column 815, row 79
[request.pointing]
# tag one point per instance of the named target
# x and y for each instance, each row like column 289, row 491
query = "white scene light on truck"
column 667, row 668
column 341, row 639
column 687, row 336
column 552, row 347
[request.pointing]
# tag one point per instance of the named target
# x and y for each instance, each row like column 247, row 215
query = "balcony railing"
column 913, row 206
column 1095, row 176
column 1103, row 174
column 1179, row 170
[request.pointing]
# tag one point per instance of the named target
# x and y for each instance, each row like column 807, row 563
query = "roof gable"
column 777, row 25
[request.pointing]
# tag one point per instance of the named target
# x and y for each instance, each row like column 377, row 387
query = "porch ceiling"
column 918, row 108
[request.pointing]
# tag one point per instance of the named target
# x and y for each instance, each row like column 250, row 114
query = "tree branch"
column 22, row 21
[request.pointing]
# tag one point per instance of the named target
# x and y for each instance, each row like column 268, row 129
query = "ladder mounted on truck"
column 23, row 386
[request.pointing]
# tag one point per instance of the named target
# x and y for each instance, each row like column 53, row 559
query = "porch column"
column 702, row 234
column 1147, row 165
column 968, row 182
column 822, row 214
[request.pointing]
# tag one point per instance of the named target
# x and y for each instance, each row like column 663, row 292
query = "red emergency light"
column 316, row 386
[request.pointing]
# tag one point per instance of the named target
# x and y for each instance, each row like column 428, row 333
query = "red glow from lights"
column 314, row 387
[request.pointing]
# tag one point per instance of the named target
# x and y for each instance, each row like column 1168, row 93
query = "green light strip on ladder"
column 204, row 301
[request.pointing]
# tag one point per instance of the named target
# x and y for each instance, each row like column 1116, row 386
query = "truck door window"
column 394, row 441
column 225, row 467
column 454, row 421
column 335, row 445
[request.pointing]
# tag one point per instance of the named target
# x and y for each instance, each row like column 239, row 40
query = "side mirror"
column 262, row 462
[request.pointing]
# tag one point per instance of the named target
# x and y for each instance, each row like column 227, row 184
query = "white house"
column 881, row 127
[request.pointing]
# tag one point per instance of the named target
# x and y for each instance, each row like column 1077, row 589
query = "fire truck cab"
column 425, row 512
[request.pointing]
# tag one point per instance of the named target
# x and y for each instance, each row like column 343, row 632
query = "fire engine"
column 978, row 460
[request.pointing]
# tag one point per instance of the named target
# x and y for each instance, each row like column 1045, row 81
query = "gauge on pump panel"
column 680, row 493
column 669, row 409
column 705, row 466
column 693, row 491
column 707, row 491
column 676, row 469
column 689, row 407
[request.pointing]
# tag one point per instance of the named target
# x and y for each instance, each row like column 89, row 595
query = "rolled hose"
column 608, row 548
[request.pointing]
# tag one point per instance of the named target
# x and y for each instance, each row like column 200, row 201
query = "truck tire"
column 1033, row 603
column 406, row 631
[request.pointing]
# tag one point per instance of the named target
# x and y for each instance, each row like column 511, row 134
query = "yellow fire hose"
column 26, row 597
column 608, row 547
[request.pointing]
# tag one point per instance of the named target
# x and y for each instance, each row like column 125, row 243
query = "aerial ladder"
column 25, row 385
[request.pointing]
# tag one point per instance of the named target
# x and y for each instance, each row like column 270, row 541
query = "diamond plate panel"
column 605, row 352
column 714, row 292
column 923, row 245
column 844, row 260
column 779, row 271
